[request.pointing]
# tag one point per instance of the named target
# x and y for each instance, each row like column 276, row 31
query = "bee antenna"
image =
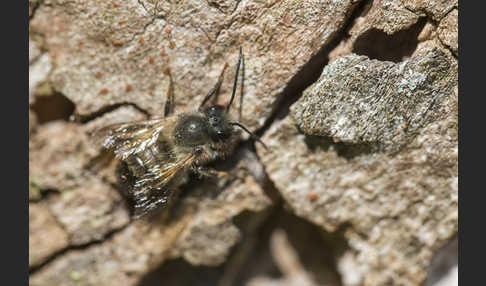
column 249, row 132
column 236, row 81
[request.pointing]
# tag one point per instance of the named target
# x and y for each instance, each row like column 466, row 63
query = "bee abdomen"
column 155, row 155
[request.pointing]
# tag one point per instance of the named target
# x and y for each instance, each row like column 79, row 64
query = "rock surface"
column 396, row 208
column 89, row 212
column 448, row 33
column 200, row 229
column 391, row 30
column 106, row 54
column 377, row 105
column 361, row 173
column 46, row 236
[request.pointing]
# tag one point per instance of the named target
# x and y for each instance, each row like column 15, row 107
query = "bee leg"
column 169, row 103
column 215, row 89
column 209, row 172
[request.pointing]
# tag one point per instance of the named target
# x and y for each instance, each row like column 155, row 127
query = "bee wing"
column 153, row 190
column 129, row 138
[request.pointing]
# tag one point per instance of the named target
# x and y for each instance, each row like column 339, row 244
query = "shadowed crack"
column 33, row 8
column 52, row 107
column 62, row 252
column 377, row 44
column 253, row 256
column 85, row 118
column 310, row 72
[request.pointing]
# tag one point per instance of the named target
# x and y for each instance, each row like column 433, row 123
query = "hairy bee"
column 157, row 155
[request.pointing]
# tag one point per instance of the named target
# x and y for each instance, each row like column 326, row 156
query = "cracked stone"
column 120, row 260
column 448, row 32
column 387, row 30
column 211, row 233
column 380, row 105
column 387, row 16
column 90, row 212
column 46, row 236
column 436, row 9
column 201, row 230
column 102, row 55
column 397, row 208
column 88, row 38
column 58, row 152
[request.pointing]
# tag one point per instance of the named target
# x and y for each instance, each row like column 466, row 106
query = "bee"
column 157, row 155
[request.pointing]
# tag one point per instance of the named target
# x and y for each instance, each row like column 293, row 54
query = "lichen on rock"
column 366, row 158
column 380, row 104
column 395, row 208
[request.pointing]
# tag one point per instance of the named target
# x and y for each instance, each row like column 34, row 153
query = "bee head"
column 191, row 130
column 219, row 128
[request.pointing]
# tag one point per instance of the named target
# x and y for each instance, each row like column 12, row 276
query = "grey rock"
column 448, row 32
column 395, row 209
column 436, row 9
column 392, row 192
column 99, row 49
column 395, row 29
column 200, row 229
column 378, row 105
column 211, row 233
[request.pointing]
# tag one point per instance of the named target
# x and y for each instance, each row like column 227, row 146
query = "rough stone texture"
column 377, row 105
column 396, row 15
column 46, row 236
column 120, row 260
column 448, row 33
column 388, row 199
column 57, row 155
column 89, row 212
column 211, row 233
column 60, row 151
column 387, row 16
column 63, row 158
column 98, row 49
column 436, row 9
column 392, row 29
column 199, row 228
column 39, row 70
column 395, row 209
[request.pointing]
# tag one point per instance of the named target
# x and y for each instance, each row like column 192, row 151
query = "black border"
column 470, row 234
column 14, row 215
